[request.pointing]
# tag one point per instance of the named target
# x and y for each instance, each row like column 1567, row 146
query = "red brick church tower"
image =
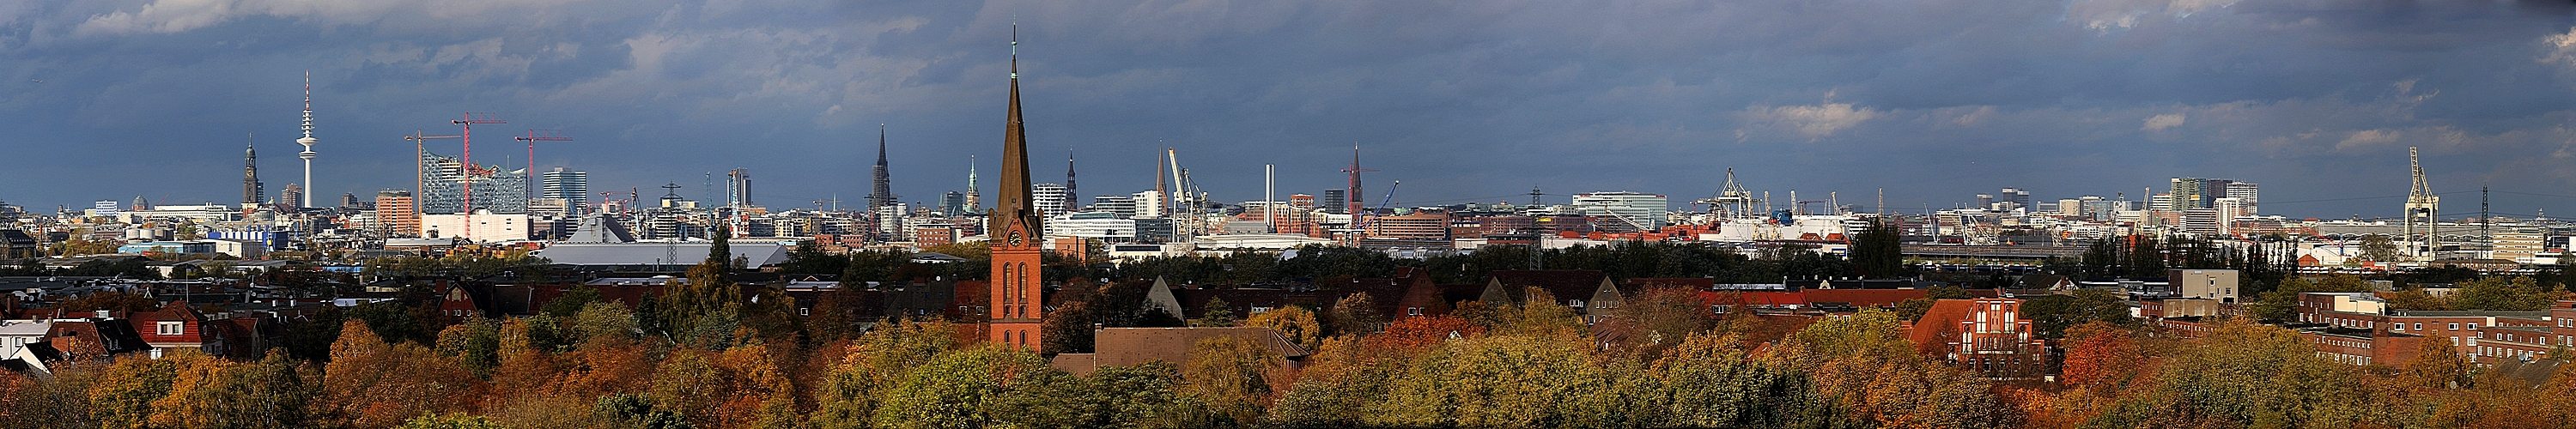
column 1017, row 235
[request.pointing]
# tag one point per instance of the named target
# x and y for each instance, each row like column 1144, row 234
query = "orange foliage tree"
column 370, row 383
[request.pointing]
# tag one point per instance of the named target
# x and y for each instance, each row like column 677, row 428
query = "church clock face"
column 1016, row 240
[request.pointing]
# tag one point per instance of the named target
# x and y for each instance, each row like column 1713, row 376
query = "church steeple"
column 1016, row 236
column 883, row 195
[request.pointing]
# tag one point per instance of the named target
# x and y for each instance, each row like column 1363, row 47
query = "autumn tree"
column 1231, row 375
column 209, row 392
column 123, row 394
column 852, row 390
column 2244, row 374
column 1655, row 319
column 1495, row 381
column 370, row 383
column 1294, row 322
column 1356, row 313
column 1864, row 364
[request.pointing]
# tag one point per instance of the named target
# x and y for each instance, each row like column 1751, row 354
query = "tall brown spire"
column 1016, row 238
column 1012, row 202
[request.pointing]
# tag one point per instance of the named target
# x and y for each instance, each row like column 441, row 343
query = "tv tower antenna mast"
column 308, row 141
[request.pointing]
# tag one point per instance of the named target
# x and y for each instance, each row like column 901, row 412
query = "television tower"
column 2422, row 209
column 307, row 141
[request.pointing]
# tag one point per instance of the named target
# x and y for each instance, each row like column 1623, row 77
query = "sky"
column 1932, row 101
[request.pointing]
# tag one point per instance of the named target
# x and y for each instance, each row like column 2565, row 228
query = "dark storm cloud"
column 1933, row 100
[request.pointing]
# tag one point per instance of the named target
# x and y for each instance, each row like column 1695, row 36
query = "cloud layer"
column 1932, row 100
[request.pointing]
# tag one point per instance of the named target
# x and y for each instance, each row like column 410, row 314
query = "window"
column 804, row 312
column 167, row 328
column 2454, row 326
column 1413, row 311
column 2473, row 326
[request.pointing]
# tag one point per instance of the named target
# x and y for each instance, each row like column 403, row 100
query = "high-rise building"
column 1017, row 301
column 2020, row 199
column 2245, row 194
column 2194, row 192
column 573, row 187
column 1332, row 201
column 1149, row 204
column 1636, row 211
column 1048, row 199
column 288, row 199
column 952, row 203
column 394, row 209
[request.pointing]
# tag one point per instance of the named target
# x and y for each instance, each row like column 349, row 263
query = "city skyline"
column 1809, row 101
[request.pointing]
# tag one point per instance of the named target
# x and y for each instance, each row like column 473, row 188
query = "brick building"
column 1988, row 336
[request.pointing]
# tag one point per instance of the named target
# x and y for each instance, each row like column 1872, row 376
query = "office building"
column 1629, row 211
column 1048, row 199
column 394, row 210
column 573, row 187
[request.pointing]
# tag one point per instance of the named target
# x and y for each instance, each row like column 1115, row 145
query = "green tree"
column 961, row 389
column 851, row 390
column 571, row 301
column 449, row 421
column 1215, row 313
column 1711, row 382
column 2281, row 303
column 1495, row 381
column 2502, row 294
column 2380, row 248
column 1876, row 252
column 2051, row 315
column 475, row 343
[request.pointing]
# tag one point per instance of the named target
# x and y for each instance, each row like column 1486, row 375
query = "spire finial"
column 1015, row 51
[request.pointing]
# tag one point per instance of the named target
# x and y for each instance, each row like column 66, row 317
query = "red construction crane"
column 468, row 122
column 532, row 138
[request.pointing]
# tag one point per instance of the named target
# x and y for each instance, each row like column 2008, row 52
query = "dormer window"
column 169, row 328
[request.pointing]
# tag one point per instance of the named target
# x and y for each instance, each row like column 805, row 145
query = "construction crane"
column 468, row 121
column 1359, row 222
column 420, row 151
column 532, row 138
